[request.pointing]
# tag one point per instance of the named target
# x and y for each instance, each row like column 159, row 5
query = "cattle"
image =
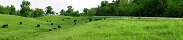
column 38, row 25
column 86, row 22
column 20, row 23
column 104, row 18
column 69, row 18
column 62, row 19
column 51, row 23
column 90, row 20
column 54, row 28
column 47, row 21
column 75, row 20
column 74, row 23
column 5, row 26
column 49, row 30
column 59, row 26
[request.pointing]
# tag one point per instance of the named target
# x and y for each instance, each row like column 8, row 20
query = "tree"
column 85, row 11
column 62, row 12
column 69, row 11
column 12, row 10
column 49, row 10
column 25, row 9
column 38, row 12
column 75, row 14
column 91, row 12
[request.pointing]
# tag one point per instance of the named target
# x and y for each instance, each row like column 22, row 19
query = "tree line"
column 140, row 8
column 144, row 8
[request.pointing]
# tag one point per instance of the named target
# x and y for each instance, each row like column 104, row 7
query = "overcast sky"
column 56, row 4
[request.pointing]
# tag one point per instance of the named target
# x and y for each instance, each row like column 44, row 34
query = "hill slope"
column 29, row 29
column 120, row 30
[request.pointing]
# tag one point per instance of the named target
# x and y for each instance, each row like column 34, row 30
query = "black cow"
column 104, row 18
column 59, row 26
column 62, row 19
column 49, row 30
column 69, row 18
column 74, row 23
column 20, row 23
column 38, row 25
column 75, row 20
column 86, row 21
column 51, row 23
column 90, row 20
column 54, row 28
column 5, row 26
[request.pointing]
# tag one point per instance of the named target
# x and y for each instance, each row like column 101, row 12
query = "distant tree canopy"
column 140, row 8
column 49, row 11
column 38, row 12
column 25, row 9
column 146, row 8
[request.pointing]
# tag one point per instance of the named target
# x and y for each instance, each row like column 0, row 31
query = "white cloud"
column 56, row 4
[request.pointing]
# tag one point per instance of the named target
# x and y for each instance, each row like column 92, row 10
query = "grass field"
column 105, row 29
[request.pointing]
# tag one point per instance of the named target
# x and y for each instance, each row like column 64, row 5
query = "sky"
column 57, row 5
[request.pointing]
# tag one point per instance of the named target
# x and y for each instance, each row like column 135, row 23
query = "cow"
column 5, row 26
column 59, row 26
column 90, row 20
column 51, row 23
column 74, row 23
column 75, row 20
column 38, row 25
column 20, row 23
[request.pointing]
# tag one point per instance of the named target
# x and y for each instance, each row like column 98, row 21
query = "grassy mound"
column 121, row 30
column 29, row 29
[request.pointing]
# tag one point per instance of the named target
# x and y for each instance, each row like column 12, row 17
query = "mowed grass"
column 169, row 29
column 105, row 29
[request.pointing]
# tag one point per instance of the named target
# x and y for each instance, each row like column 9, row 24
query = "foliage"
column 49, row 11
column 38, row 12
column 25, row 9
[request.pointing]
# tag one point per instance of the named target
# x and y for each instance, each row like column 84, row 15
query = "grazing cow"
column 5, row 26
column 38, row 25
column 20, row 23
column 54, row 28
column 90, row 20
column 86, row 21
column 59, row 26
column 62, row 19
column 47, row 21
column 51, row 23
column 49, row 30
column 104, row 18
column 75, row 20
column 69, row 18
column 74, row 23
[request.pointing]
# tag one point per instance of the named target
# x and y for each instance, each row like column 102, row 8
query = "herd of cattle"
column 59, row 26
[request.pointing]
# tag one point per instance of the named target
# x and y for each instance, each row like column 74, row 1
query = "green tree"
column 38, row 13
column 91, row 12
column 69, row 11
column 85, row 11
column 12, row 10
column 25, row 9
column 62, row 12
column 49, row 10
